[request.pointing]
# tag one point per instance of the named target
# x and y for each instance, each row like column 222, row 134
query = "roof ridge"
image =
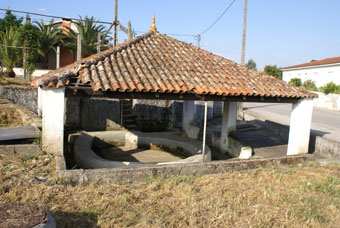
column 102, row 55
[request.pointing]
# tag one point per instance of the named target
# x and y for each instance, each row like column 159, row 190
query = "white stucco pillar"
column 228, row 123
column 299, row 130
column 189, row 110
column 53, row 120
column 39, row 101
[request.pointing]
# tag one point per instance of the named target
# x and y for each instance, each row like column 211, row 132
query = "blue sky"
column 284, row 33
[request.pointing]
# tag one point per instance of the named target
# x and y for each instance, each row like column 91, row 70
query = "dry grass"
column 9, row 117
column 14, row 82
column 301, row 196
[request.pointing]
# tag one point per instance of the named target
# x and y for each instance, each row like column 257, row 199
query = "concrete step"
column 15, row 133
column 22, row 149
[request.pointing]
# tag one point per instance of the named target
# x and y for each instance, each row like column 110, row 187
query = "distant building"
column 320, row 71
column 66, row 56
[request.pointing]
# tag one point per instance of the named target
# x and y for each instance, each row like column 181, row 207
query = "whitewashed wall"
column 19, row 72
column 321, row 75
column 328, row 101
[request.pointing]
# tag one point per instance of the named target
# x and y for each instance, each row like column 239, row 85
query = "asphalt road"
column 324, row 123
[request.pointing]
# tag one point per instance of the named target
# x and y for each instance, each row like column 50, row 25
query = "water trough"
column 118, row 149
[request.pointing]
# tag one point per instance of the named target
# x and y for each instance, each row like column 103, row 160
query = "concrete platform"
column 265, row 144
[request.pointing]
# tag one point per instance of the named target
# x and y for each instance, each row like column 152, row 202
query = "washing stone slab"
column 15, row 133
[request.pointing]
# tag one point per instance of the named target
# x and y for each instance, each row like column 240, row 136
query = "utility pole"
column 115, row 24
column 129, row 30
column 25, row 54
column 198, row 40
column 244, row 32
column 240, row 105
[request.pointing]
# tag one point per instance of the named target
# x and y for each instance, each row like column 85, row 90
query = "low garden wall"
column 328, row 101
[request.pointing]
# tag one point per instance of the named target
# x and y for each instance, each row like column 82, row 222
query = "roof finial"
column 153, row 26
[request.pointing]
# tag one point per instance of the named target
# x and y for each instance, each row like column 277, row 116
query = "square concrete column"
column 53, row 120
column 189, row 111
column 228, row 123
column 299, row 130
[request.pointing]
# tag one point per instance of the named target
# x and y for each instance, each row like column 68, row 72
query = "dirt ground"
column 294, row 196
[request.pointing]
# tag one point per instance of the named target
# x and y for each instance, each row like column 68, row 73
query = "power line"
column 45, row 15
column 218, row 18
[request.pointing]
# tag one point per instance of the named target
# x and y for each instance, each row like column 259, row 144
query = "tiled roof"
column 155, row 62
column 316, row 63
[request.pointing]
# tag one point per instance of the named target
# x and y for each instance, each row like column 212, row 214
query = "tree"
column 49, row 37
column 8, row 21
column 273, row 70
column 28, row 37
column 251, row 64
column 88, row 30
column 9, row 56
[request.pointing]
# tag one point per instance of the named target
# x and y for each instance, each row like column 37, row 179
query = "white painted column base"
column 189, row 110
column 53, row 120
column 300, row 123
column 228, row 123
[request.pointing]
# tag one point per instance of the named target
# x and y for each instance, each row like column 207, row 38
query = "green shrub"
column 295, row 82
column 330, row 87
column 309, row 85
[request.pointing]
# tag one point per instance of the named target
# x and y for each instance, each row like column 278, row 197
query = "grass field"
column 300, row 196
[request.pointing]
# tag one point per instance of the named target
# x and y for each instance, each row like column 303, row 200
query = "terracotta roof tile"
column 316, row 63
column 157, row 63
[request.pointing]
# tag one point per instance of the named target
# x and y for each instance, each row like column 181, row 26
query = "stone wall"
column 97, row 114
column 92, row 114
column 157, row 115
column 26, row 97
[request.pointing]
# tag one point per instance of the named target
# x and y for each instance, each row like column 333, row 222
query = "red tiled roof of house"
column 155, row 62
column 316, row 63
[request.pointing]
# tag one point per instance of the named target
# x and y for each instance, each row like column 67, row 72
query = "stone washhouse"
column 155, row 66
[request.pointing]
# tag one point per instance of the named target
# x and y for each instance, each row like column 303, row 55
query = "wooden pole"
column 24, row 62
column 115, row 35
column 129, row 30
column 98, row 42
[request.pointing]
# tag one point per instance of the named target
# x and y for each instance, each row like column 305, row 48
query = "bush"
column 295, row 82
column 309, row 85
column 330, row 87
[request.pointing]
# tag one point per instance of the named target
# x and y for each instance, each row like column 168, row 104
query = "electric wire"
column 218, row 18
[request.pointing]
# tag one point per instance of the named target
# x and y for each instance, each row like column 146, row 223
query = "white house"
column 320, row 71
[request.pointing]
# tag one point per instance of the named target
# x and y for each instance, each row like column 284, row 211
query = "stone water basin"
column 116, row 149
